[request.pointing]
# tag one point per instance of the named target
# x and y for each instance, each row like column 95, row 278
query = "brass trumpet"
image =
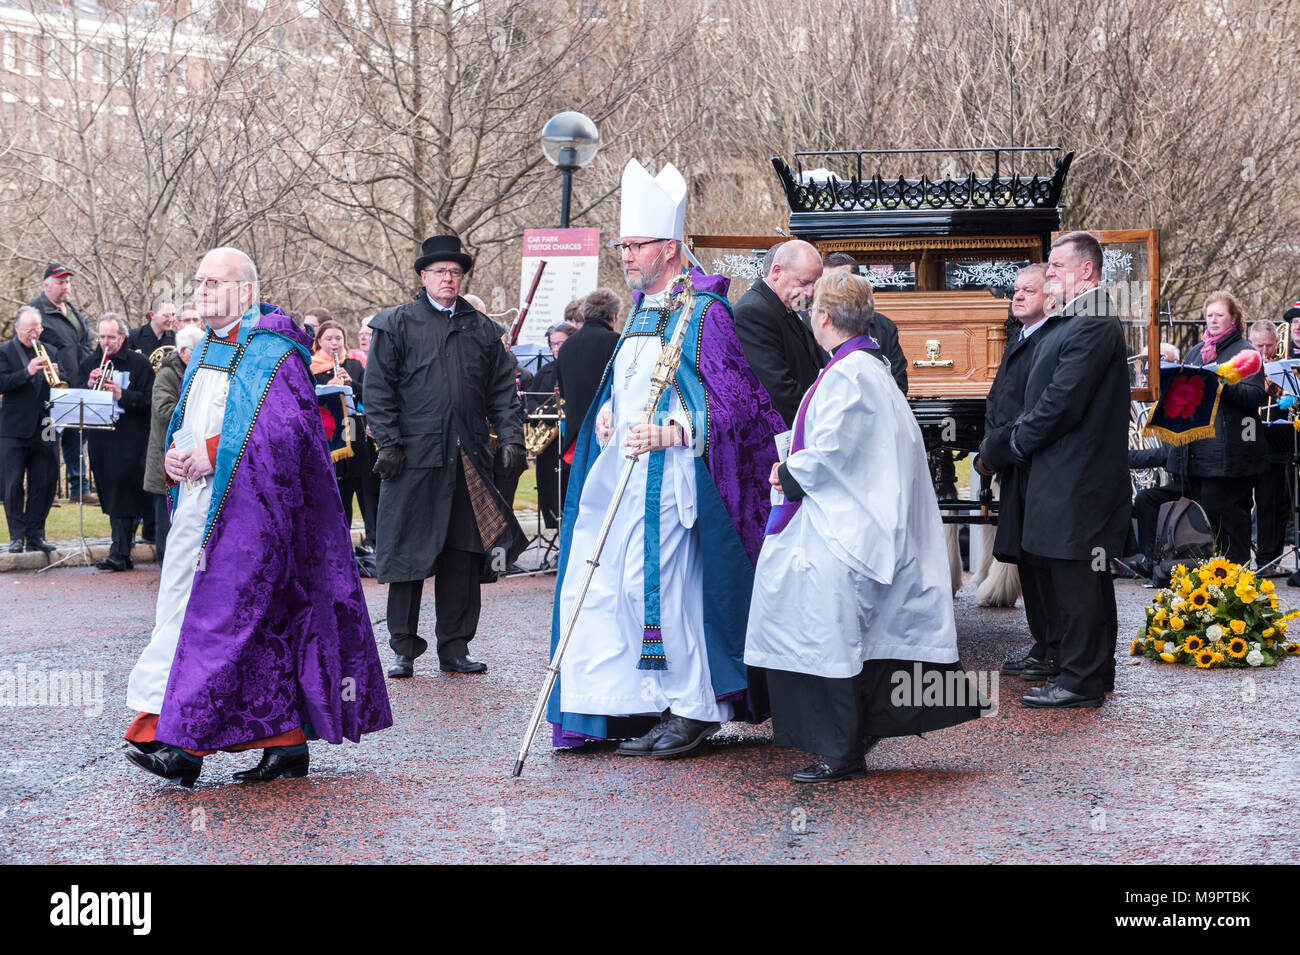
column 105, row 369
column 51, row 376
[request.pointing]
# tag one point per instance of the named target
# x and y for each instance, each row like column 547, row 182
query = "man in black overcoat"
column 436, row 377
column 27, row 444
column 1073, row 438
column 778, row 346
column 1006, row 402
column 118, row 457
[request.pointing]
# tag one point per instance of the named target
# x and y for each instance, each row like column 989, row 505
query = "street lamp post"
column 569, row 141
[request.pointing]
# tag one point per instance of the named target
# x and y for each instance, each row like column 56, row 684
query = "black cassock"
column 117, row 457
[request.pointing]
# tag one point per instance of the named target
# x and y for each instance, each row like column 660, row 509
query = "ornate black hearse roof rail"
column 874, row 193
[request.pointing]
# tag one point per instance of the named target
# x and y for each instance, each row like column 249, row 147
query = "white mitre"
column 654, row 207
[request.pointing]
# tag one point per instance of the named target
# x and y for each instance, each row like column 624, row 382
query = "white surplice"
column 861, row 571
column 204, row 410
column 599, row 674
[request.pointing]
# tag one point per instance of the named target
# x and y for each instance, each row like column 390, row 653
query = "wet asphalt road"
column 1179, row 766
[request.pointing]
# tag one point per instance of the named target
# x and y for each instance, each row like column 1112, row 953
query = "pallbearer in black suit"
column 1073, row 439
column 27, row 442
column 117, row 457
column 1006, row 402
column 779, row 347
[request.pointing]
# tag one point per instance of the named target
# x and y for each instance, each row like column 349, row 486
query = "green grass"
column 526, row 494
column 61, row 525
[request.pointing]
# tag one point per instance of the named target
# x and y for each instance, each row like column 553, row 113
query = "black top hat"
column 54, row 270
column 442, row 248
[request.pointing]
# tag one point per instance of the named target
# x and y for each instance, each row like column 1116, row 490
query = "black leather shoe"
column 681, row 735
column 1054, row 695
column 168, row 764
column 16, row 546
column 1040, row 670
column 41, row 544
column 644, row 745
column 1014, row 665
column 111, row 563
column 825, row 771
column 402, row 667
column 462, row 664
column 363, row 550
column 273, row 766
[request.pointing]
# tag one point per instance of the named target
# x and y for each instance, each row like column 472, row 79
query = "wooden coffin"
column 953, row 341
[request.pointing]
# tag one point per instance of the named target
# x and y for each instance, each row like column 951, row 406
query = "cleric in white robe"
column 852, row 602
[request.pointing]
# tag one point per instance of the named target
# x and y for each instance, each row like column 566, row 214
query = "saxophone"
column 540, row 435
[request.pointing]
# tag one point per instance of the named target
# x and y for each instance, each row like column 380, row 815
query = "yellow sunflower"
column 1293, row 649
column 1218, row 569
column 1237, row 648
column 1238, row 626
column 1199, row 599
column 1205, row 659
column 1194, row 643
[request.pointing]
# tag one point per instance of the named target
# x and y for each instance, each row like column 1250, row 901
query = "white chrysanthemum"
column 1254, row 658
column 1169, row 647
column 1215, row 632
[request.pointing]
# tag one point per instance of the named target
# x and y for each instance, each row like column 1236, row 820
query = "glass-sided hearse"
column 942, row 248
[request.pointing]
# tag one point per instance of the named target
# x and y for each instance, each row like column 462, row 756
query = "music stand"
column 86, row 410
column 1284, row 374
column 548, row 410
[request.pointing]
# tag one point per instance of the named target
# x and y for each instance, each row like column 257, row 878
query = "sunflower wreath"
column 1216, row 615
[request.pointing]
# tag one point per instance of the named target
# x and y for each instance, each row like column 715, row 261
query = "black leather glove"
column 391, row 462
column 513, row 458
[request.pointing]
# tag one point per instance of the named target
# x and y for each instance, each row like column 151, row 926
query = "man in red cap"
column 66, row 335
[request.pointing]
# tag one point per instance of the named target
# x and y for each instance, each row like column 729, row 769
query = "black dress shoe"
column 363, row 550
column 169, row 764
column 1040, row 670
column 16, row 546
column 462, row 664
column 644, row 745
column 111, row 563
column 1056, row 696
column 39, row 543
column 402, row 667
column 828, row 771
column 681, row 735
column 275, row 765
column 1014, row 665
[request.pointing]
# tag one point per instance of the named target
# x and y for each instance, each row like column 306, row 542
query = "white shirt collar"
column 1027, row 330
column 224, row 332
column 441, row 308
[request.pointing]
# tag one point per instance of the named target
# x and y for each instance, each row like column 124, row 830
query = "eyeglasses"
column 446, row 273
column 212, row 284
column 635, row 247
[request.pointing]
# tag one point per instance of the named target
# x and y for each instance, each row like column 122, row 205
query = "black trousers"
column 1035, row 584
column 123, row 529
column 35, row 463
column 1272, row 508
column 457, row 602
column 162, row 525
column 1082, row 606
column 78, row 483
column 1227, row 502
column 1146, row 509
